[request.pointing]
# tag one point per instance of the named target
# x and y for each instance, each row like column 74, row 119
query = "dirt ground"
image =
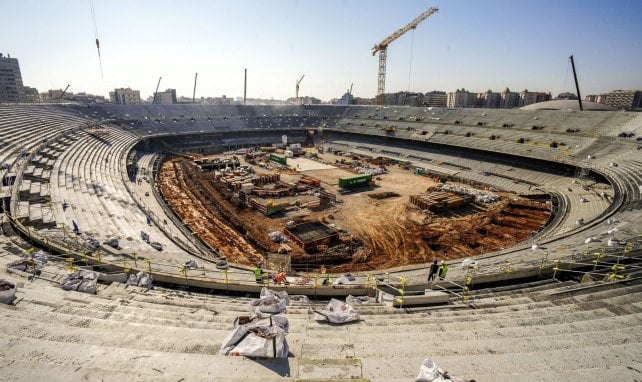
column 392, row 230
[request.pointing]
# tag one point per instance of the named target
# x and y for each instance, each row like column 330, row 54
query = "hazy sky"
column 478, row 45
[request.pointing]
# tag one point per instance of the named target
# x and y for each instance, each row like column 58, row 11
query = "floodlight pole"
column 577, row 86
column 245, row 88
column 194, row 93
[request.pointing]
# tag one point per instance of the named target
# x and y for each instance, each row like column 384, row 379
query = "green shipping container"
column 355, row 181
column 274, row 209
column 278, row 159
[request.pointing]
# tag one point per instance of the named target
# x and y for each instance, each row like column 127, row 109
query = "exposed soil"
column 393, row 231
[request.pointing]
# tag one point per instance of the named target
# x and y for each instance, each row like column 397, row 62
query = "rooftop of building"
column 567, row 104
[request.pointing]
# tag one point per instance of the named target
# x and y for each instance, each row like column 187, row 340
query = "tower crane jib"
column 296, row 95
column 382, row 48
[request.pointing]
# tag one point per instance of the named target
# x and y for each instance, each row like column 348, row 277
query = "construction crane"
column 382, row 48
column 298, row 82
column 156, row 92
column 63, row 92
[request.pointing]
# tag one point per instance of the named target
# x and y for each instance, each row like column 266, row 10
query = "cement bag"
column 262, row 343
column 8, row 291
column 430, row 372
column 81, row 281
column 242, row 330
column 141, row 279
column 338, row 312
column 255, row 339
column 270, row 302
column 283, row 295
column 341, row 281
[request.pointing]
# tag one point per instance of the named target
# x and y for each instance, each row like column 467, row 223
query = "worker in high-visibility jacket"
column 443, row 270
column 258, row 274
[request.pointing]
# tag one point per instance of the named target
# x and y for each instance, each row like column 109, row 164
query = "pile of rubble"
column 479, row 195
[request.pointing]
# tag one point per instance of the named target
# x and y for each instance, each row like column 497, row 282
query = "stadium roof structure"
column 568, row 104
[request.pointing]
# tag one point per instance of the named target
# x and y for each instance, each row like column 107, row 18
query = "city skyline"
column 467, row 44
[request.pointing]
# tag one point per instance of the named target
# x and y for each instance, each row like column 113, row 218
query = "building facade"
column 11, row 88
column 346, row 99
column 125, row 96
column 168, row 97
column 625, row 99
column 528, row 98
column 509, row 99
column 566, row 95
column 56, row 95
column 461, row 98
column 436, row 98
column 31, row 94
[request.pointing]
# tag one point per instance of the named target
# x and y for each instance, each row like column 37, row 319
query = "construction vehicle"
column 382, row 48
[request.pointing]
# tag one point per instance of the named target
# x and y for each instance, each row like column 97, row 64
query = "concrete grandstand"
column 76, row 176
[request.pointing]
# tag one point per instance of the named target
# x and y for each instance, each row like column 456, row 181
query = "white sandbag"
column 341, row 281
column 468, row 263
column 81, row 281
column 141, row 279
column 8, row 291
column 358, row 300
column 258, row 338
column 430, row 372
column 263, row 344
column 337, row 312
column 269, row 302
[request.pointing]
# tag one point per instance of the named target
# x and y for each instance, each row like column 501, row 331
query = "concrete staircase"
column 547, row 331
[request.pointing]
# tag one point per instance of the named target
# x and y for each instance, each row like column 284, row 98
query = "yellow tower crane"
column 298, row 82
column 382, row 48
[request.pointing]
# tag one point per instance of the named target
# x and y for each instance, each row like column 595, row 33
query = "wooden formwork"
column 438, row 201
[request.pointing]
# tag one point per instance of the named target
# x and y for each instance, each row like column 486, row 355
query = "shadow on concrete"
column 280, row 366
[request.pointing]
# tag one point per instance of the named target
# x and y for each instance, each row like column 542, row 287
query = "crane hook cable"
column 412, row 44
column 93, row 19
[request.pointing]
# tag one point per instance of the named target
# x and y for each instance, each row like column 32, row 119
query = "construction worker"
column 258, row 274
column 434, row 268
column 281, row 278
column 443, row 270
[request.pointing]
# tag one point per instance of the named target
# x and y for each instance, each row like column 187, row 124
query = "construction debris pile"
column 80, row 281
column 478, row 195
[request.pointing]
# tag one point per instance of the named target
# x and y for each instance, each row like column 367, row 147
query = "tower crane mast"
column 382, row 48
column 298, row 82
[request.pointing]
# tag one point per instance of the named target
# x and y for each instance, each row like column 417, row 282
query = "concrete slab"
column 305, row 164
